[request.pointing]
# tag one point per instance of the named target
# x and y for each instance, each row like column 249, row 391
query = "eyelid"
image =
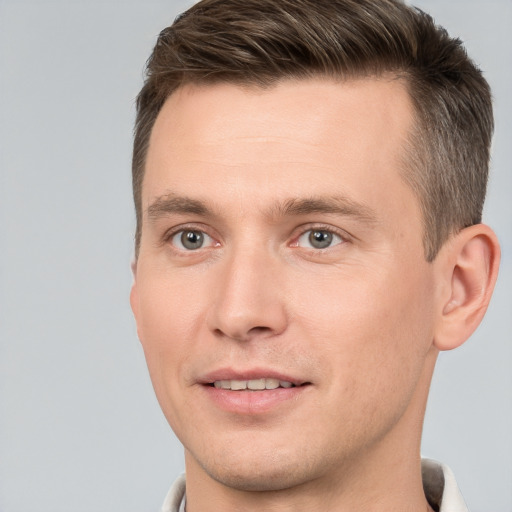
column 175, row 230
column 302, row 230
column 176, row 240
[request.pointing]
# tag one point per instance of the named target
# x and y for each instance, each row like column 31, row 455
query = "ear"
column 134, row 299
column 468, row 266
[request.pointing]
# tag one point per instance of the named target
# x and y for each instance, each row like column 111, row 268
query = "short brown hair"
column 260, row 42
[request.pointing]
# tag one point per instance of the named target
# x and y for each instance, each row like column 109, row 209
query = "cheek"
column 169, row 308
column 168, row 322
column 372, row 330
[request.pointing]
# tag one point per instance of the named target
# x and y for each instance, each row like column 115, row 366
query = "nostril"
column 253, row 332
column 260, row 330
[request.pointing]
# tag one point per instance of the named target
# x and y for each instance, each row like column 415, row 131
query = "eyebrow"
column 336, row 205
column 170, row 203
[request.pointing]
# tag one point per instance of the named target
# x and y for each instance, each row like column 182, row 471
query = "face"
column 281, row 293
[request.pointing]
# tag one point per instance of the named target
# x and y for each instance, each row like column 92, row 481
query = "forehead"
column 300, row 108
column 298, row 137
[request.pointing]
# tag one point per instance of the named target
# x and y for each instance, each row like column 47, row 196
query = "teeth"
column 256, row 384
column 253, row 384
column 271, row 383
column 238, row 384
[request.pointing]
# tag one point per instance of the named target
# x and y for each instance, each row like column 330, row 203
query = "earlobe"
column 469, row 269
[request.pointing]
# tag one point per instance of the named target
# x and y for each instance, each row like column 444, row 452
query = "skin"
column 360, row 322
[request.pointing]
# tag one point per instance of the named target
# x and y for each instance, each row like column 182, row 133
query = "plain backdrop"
column 80, row 429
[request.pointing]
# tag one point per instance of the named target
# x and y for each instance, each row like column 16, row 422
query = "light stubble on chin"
column 271, row 477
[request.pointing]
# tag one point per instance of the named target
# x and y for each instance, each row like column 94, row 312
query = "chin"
column 271, row 479
column 261, row 472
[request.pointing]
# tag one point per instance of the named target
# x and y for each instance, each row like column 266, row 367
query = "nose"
column 249, row 300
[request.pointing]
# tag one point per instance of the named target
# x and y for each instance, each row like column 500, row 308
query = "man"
column 309, row 177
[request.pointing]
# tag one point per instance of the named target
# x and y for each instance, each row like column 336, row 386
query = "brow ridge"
column 171, row 203
column 337, row 205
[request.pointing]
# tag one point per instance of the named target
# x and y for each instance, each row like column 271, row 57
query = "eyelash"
column 304, row 230
column 343, row 237
column 170, row 235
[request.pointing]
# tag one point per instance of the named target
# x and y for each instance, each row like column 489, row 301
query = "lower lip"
column 253, row 402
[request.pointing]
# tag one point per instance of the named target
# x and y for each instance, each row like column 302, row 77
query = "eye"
column 318, row 239
column 191, row 240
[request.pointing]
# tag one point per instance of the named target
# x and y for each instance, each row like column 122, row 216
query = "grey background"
column 80, row 429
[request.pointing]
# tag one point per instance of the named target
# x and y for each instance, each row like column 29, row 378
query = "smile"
column 254, row 396
column 252, row 385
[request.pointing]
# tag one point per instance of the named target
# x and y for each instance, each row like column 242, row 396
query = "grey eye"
column 319, row 239
column 190, row 239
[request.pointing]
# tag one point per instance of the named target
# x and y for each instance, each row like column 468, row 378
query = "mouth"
column 253, row 384
column 254, row 392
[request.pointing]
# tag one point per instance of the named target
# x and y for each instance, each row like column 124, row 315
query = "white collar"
column 441, row 488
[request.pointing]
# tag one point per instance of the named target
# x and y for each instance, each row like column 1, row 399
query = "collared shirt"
column 438, row 482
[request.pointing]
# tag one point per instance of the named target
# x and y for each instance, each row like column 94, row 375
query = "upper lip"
column 248, row 374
